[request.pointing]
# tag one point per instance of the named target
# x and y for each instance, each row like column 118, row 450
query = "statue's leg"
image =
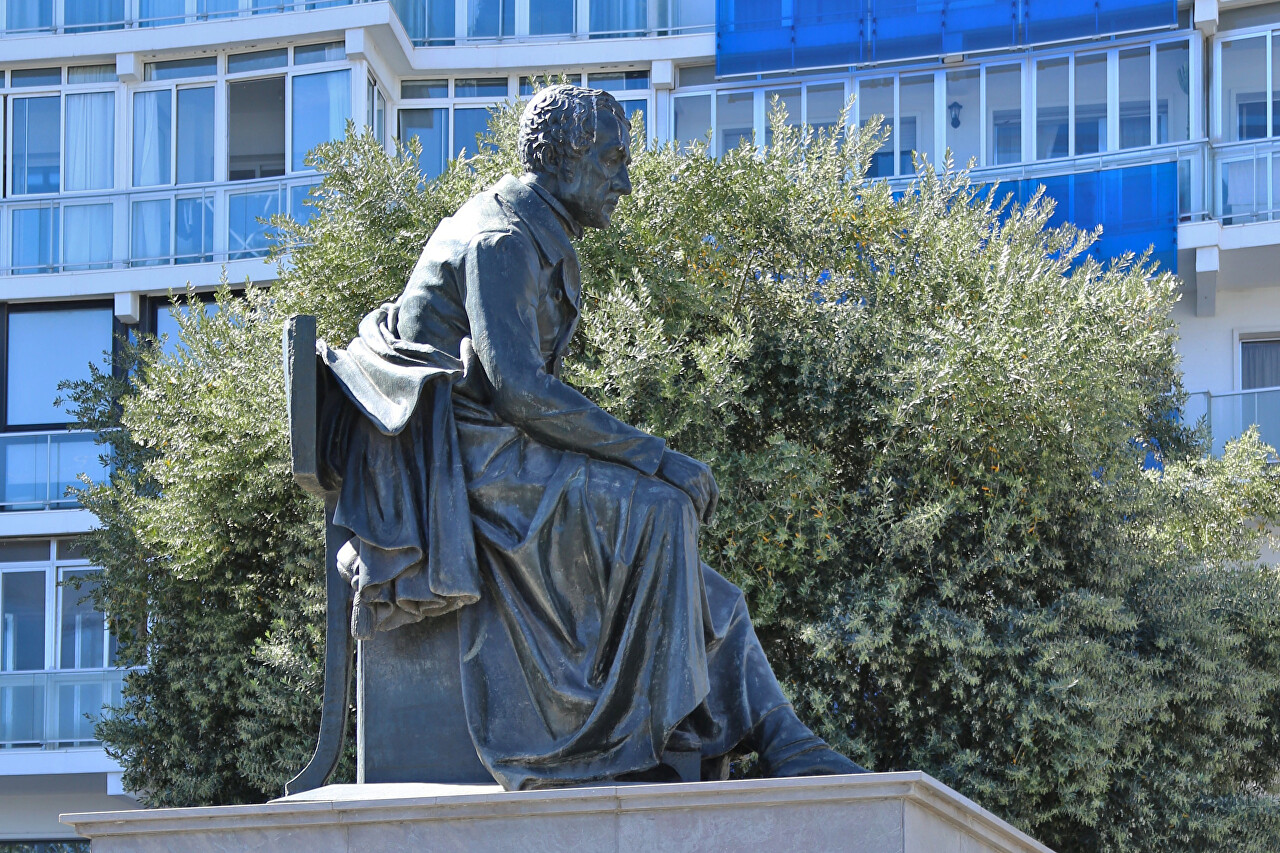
column 746, row 709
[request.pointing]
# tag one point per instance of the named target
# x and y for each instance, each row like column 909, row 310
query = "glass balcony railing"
column 56, row 708
column 1229, row 415
column 433, row 22
column 1247, row 182
column 40, row 466
column 145, row 228
column 25, row 17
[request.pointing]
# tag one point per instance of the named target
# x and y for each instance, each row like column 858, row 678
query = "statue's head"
column 579, row 141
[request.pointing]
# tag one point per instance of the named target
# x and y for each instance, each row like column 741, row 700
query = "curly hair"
column 559, row 124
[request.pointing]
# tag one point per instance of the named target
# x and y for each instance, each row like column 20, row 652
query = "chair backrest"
column 410, row 717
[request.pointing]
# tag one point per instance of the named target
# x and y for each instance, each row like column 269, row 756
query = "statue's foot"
column 821, row 760
column 787, row 747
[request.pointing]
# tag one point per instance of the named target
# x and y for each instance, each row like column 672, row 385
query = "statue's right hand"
column 692, row 477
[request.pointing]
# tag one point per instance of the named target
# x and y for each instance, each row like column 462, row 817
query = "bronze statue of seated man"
column 593, row 640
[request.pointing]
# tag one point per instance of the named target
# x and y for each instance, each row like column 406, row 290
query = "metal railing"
column 55, row 709
column 30, row 17
column 146, row 227
column 38, row 467
column 33, row 17
column 1229, row 415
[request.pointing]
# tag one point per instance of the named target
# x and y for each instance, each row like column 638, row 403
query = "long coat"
column 473, row 478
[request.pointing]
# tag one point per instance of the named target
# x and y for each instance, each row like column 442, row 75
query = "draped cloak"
column 473, row 479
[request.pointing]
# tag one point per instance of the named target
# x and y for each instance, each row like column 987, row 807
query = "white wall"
column 1208, row 344
column 30, row 805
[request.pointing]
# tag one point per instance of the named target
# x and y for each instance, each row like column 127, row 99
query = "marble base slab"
column 906, row 812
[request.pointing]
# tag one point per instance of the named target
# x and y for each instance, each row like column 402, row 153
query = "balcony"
column 40, row 466
column 55, row 709
column 1229, row 415
column 427, row 22
column 26, row 17
column 145, row 228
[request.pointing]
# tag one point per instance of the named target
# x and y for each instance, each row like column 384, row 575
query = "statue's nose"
column 622, row 182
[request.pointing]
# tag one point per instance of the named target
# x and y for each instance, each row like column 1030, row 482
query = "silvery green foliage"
column 928, row 415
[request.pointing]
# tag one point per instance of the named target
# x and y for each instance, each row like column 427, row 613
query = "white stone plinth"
column 873, row 813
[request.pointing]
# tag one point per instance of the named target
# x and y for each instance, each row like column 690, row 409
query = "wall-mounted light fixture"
column 953, row 109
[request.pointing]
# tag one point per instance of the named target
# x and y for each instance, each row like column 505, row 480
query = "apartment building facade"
column 143, row 141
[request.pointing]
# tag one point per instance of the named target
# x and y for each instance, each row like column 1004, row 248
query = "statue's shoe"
column 820, row 760
column 787, row 747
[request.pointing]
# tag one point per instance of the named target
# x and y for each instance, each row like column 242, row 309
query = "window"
column 1135, row 98
column 50, row 630
column 321, row 106
column 620, row 81
column 692, row 119
column 491, row 18
column 44, row 347
column 789, row 100
column 480, row 87
column 1004, row 114
column 1173, row 92
column 735, row 120
column 527, row 84
column 1243, row 78
column 431, row 128
column 963, row 127
column 1053, row 125
column 1091, row 103
column 916, row 121
column 36, row 124
column 619, row 18
column 426, row 89
column 29, row 15
column 469, row 129
column 823, row 104
column 256, row 118
column 1259, row 364
column 875, row 98
column 376, row 111
column 547, row 17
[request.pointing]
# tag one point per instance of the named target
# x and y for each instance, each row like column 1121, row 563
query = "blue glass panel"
column 767, row 35
column 1137, row 208
column 828, row 32
column 904, row 28
column 971, row 25
column 1054, row 20
column 751, row 37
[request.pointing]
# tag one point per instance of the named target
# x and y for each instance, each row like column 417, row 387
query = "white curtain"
column 90, row 142
column 150, row 244
column 29, row 14
column 321, row 106
column 1259, row 364
column 84, row 14
column 151, row 138
column 87, row 230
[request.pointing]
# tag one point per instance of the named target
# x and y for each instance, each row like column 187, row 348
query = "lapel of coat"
column 547, row 223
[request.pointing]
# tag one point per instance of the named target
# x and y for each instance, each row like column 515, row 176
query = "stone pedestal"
column 873, row 813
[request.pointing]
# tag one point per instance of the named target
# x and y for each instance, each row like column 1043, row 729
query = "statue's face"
column 600, row 177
